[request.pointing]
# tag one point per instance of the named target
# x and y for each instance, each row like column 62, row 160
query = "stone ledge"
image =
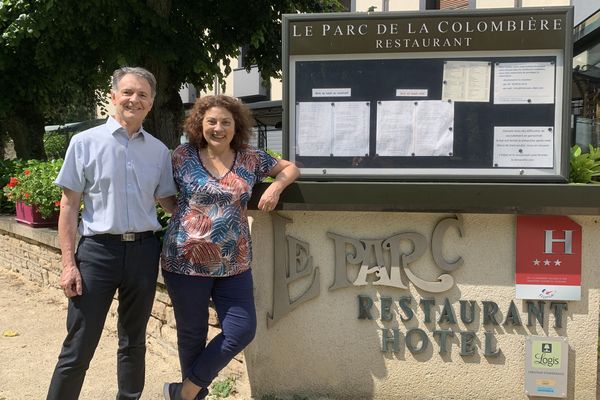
column 438, row 197
column 45, row 236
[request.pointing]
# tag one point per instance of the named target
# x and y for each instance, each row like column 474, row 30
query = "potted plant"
column 36, row 197
column 8, row 169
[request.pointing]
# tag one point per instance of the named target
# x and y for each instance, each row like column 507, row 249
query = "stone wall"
column 34, row 253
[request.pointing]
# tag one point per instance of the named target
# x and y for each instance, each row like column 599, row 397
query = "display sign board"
column 469, row 95
column 546, row 366
column 548, row 258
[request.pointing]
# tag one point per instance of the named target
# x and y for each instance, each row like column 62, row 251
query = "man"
column 119, row 170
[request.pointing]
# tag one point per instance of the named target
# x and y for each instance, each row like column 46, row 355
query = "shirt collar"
column 115, row 127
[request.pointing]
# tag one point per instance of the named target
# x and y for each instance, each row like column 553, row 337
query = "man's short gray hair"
column 139, row 71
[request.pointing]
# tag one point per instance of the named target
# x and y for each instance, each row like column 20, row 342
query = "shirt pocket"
column 148, row 176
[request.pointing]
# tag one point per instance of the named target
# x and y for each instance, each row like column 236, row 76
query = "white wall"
column 321, row 349
column 495, row 3
column 545, row 3
column 393, row 5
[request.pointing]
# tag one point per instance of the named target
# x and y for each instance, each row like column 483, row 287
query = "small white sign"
column 548, row 292
column 523, row 146
column 412, row 92
column 524, row 83
column 332, row 92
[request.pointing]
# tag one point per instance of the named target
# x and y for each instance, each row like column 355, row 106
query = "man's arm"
column 168, row 203
column 70, row 278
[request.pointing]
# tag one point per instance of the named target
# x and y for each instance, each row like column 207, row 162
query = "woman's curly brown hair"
column 242, row 117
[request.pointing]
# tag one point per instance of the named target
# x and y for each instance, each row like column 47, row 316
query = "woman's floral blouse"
column 209, row 234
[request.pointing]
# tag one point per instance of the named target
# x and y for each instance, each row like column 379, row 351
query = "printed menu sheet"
column 415, row 128
column 467, row 81
column 339, row 129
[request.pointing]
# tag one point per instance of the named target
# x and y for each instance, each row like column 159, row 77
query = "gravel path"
column 37, row 316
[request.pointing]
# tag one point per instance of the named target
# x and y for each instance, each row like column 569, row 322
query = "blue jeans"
column 233, row 298
column 107, row 266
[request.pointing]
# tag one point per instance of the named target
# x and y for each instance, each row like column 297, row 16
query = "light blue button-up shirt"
column 120, row 178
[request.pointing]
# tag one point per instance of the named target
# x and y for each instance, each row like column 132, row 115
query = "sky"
column 584, row 8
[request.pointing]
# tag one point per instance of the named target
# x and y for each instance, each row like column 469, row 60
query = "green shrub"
column 274, row 153
column 55, row 144
column 223, row 388
column 585, row 167
column 163, row 218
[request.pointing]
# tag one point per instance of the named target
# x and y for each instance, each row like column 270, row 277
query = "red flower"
column 13, row 182
column 26, row 195
column 27, row 172
column 57, row 203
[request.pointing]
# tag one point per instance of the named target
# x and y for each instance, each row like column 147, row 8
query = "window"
column 242, row 56
column 446, row 4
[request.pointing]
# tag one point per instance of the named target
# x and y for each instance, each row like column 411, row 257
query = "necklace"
column 217, row 165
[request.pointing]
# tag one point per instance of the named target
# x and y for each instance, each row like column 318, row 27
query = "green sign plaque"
column 546, row 366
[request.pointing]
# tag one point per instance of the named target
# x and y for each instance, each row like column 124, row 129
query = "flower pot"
column 29, row 215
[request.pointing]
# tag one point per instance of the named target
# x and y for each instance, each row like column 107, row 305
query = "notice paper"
column 524, row 146
column 332, row 92
column 336, row 129
column 467, row 81
column 415, row 128
column 524, row 83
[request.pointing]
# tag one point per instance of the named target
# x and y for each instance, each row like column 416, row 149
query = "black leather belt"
column 125, row 237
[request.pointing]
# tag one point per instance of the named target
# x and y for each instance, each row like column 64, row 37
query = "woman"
column 207, row 250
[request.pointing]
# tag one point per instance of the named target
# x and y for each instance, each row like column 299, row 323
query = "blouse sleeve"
column 265, row 164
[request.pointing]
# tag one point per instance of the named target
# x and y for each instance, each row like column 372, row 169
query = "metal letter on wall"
column 291, row 261
column 369, row 256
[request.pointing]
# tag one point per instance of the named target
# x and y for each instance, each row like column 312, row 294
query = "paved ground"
column 37, row 316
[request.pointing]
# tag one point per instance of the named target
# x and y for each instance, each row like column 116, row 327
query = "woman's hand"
column 284, row 173
column 269, row 199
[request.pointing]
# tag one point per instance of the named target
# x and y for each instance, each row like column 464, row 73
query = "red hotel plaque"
column 548, row 261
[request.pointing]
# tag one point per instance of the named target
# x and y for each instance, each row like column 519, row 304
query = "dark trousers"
column 233, row 298
column 108, row 265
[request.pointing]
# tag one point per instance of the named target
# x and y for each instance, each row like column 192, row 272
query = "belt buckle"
column 128, row 237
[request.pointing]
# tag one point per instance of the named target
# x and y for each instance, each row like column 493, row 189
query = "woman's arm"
column 284, row 173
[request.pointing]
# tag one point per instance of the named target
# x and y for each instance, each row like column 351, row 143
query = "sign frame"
column 308, row 41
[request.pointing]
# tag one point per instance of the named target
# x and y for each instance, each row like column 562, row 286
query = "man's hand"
column 70, row 281
column 70, row 278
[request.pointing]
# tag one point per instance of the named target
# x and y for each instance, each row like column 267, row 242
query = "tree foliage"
column 59, row 53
